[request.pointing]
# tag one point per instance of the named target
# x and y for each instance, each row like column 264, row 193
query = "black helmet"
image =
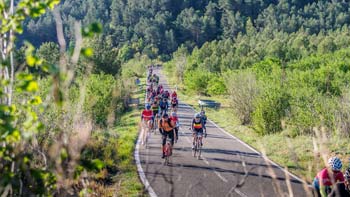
column 165, row 115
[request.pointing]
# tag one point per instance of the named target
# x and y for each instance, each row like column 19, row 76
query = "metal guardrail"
column 209, row 103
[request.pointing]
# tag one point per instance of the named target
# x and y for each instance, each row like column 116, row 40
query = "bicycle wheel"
column 194, row 151
column 167, row 152
column 199, row 148
column 155, row 126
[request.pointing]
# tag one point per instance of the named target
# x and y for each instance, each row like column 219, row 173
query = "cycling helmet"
column 347, row 174
column 165, row 116
column 148, row 106
column 197, row 115
column 203, row 112
column 173, row 113
column 335, row 163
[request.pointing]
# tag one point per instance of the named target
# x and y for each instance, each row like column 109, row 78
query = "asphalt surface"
column 228, row 167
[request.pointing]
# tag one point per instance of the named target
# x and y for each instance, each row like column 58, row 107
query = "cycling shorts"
column 198, row 132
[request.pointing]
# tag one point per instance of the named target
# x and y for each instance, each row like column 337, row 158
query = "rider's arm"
column 323, row 190
column 160, row 127
column 322, row 187
column 192, row 124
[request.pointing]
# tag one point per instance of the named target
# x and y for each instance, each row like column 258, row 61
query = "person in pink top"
column 328, row 177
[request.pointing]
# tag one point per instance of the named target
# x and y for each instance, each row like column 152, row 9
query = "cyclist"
column 157, row 79
column 328, row 177
column 174, row 95
column 197, row 128
column 154, row 79
column 166, row 128
column 204, row 118
column 342, row 188
column 166, row 94
column 146, row 121
column 163, row 105
column 175, row 119
column 174, row 103
column 160, row 89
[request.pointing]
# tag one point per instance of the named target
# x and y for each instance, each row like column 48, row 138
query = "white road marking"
column 140, row 170
column 221, row 177
column 240, row 193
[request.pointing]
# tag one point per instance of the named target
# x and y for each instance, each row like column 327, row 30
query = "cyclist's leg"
column 200, row 133
column 194, row 135
column 149, row 126
column 177, row 133
column 143, row 131
column 163, row 144
column 171, row 136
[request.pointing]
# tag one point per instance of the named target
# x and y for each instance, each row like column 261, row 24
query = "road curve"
column 228, row 166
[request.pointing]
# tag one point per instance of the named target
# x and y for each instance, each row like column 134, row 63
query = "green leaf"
column 98, row 164
column 53, row 3
column 87, row 52
column 64, row 154
column 31, row 60
column 32, row 86
column 36, row 100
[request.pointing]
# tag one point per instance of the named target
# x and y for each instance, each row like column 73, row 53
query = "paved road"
column 227, row 168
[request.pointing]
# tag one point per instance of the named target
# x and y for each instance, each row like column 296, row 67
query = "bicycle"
column 197, row 151
column 168, row 151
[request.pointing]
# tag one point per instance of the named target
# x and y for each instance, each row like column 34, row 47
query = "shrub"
column 216, row 85
column 270, row 108
column 242, row 89
column 197, row 81
column 99, row 98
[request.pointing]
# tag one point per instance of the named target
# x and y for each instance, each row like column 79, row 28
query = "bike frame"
column 167, row 151
column 197, row 146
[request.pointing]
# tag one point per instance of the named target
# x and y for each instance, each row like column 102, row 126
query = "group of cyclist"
column 156, row 111
column 331, row 181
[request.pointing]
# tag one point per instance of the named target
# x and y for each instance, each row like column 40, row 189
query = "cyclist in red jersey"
column 174, row 95
column 147, row 113
column 146, row 122
column 328, row 177
column 342, row 188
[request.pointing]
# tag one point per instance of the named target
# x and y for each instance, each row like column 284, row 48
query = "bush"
column 216, row 85
column 242, row 89
column 197, row 81
column 270, row 108
column 99, row 98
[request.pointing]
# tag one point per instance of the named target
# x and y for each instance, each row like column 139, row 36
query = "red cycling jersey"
column 147, row 114
column 174, row 118
column 324, row 178
column 174, row 95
